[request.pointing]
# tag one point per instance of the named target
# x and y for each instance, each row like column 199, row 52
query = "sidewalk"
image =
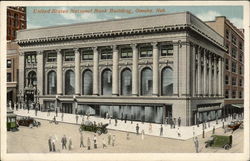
column 186, row 132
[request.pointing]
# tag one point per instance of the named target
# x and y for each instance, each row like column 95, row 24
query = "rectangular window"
column 30, row 58
column 226, row 94
column 126, row 53
column 234, row 52
column 9, row 77
column 106, row 53
column 146, row 51
column 69, row 55
column 234, row 81
column 240, row 94
column 234, row 39
column 167, row 50
column 51, row 57
column 241, row 58
column 240, row 46
column 9, row 63
column 233, row 94
column 234, row 67
column 226, row 79
column 240, row 70
column 227, row 64
column 87, row 54
column 240, row 83
column 227, row 34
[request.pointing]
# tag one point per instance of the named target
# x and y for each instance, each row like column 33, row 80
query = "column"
column 215, row 77
column 222, row 77
column 176, row 67
column 135, row 70
column 77, row 71
column 95, row 71
column 199, row 71
column 115, row 71
column 193, row 71
column 40, row 74
column 21, row 72
column 205, row 74
column 155, row 69
column 186, row 51
column 219, row 79
column 59, row 72
column 210, row 74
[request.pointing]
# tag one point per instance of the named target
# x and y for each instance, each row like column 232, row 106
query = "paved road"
column 35, row 140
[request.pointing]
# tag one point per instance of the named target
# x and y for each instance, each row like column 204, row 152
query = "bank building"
column 143, row 68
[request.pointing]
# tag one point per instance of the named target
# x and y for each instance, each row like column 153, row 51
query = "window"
column 234, row 39
column 126, row 82
column 240, row 94
column 234, row 52
column 51, row 57
column 166, row 50
column 226, row 79
column 233, row 94
column 234, row 81
column 69, row 55
column 51, row 82
column 8, row 63
column 227, row 64
column 107, row 82
column 240, row 70
column 240, row 57
column 146, row 81
column 126, row 53
column 87, row 54
column 106, row 53
column 87, row 82
column 226, row 94
column 15, row 20
column 146, row 51
column 227, row 45
column 227, row 34
column 167, row 82
column 9, row 77
column 69, row 82
column 32, row 80
column 240, row 46
column 234, row 67
column 30, row 58
column 240, row 82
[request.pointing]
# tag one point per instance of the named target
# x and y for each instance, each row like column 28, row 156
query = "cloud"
column 89, row 17
column 208, row 16
column 237, row 22
column 69, row 15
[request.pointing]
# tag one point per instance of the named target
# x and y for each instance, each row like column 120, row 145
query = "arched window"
column 167, row 82
column 69, row 82
column 126, row 82
column 87, row 82
column 32, row 81
column 107, row 82
column 51, row 81
column 146, row 81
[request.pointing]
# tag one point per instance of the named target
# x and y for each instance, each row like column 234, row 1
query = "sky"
column 48, row 16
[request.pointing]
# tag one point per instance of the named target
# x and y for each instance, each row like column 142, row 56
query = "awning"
column 238, row 105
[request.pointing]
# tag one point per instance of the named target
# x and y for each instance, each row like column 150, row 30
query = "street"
column 35, row 140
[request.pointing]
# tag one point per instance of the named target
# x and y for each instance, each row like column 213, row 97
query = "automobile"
column 12, row 124
column 234, row 125
column 220, row 141
column 92, row 127
column 28, row 121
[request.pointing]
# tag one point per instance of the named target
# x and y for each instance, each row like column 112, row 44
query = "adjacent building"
column 145, row 68
column 234, row 63
column 16, row 20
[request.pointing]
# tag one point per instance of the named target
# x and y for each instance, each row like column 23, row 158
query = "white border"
column 122, row 156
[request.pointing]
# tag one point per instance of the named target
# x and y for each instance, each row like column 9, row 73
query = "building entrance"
column 67, row 107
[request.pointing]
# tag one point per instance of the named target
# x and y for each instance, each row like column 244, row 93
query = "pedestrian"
column 132, row 117
column 213, row 129
column 113, row 140
column 150, row 128
column 110, row 120
column 88, row 143
column 81, row 140
column 161, row 130
column 122, row 117
column 64, row 142
column 125, row 119
column 56, row 112
column 53, row 145
column 196, row 144
column 95, row 141
column 174, row 122
column 179, row 121
column 109, row 139
column 70, row 144
column 50, row 143
column 77, row 118
column 54, row 119
column 137, row 129
column 116, row 121
column 103, row 143
column 107, row 115
column 127, row 135
column 178, row 132
column 171, row 123
column 142, row 134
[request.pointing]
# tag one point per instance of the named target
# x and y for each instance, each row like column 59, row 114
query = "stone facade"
column 173, row 63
